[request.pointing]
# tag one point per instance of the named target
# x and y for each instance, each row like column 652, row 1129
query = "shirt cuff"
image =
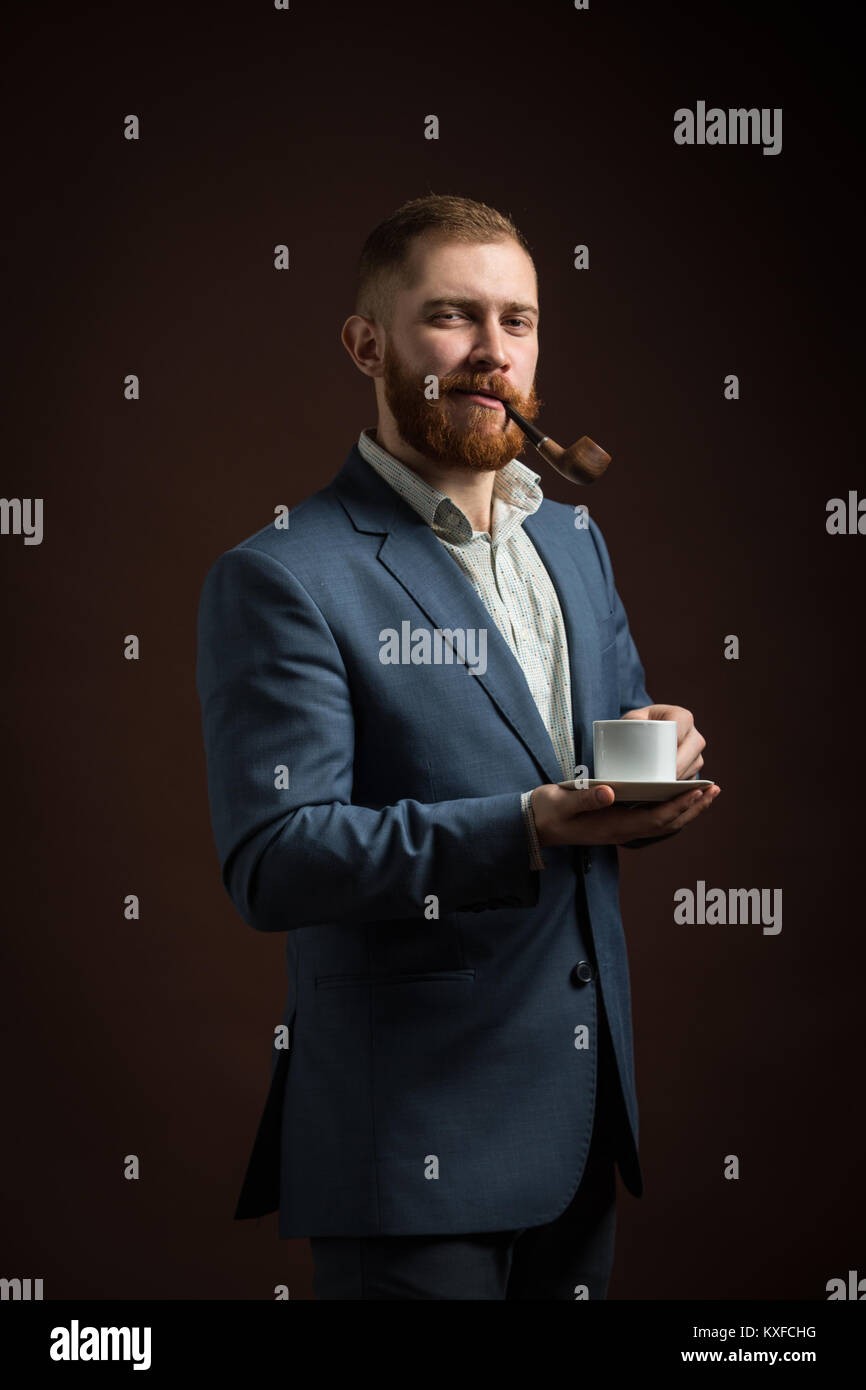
column 535, row 859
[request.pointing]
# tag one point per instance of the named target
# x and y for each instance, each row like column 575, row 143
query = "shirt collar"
column 516, row 495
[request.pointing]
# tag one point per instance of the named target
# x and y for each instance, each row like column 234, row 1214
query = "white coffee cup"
column 635, row 750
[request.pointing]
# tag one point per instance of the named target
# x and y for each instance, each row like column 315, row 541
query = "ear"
column 364, row 340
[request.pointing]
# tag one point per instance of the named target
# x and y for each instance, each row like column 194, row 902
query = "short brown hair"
column 386, row 249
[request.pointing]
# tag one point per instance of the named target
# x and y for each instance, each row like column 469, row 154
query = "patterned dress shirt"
column 507, row 573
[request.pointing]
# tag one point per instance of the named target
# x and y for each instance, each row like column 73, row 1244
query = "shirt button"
column 582, row 973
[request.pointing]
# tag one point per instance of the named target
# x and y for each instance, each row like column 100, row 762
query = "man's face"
column 469, row 317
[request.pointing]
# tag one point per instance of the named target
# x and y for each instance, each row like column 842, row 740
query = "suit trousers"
column 568, row 1258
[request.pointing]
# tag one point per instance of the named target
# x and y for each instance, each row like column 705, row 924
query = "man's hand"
column 689, row 741
column 564, row 816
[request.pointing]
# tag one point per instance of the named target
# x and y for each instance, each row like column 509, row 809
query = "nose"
column 489, row 351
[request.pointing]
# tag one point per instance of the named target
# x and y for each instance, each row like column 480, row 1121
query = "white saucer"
column 641, row 791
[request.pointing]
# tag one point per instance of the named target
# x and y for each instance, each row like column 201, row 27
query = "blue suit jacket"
column 435, row 1080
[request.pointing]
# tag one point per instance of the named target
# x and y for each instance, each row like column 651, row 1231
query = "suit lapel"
column 557, row 541
column 434, row 581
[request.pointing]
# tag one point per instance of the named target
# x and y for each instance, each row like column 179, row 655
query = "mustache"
column 492, row 385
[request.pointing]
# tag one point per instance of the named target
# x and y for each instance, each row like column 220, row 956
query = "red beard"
column 486, row 441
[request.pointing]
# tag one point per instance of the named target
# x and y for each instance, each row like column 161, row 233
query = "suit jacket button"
column 582, row 973
column 587, row 861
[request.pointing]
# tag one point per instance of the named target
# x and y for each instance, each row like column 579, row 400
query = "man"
column 391, row 690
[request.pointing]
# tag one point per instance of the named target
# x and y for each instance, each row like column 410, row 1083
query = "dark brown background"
column 306, row 127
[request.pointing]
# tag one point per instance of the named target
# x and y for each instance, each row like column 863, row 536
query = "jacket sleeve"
column 632, row 680
column 275, row 695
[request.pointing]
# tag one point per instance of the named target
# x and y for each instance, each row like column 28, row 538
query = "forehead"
column 487, row 271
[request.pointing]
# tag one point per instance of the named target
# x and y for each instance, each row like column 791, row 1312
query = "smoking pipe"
column 582, row 462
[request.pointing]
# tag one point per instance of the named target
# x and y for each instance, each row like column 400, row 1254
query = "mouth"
column 483, row 398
